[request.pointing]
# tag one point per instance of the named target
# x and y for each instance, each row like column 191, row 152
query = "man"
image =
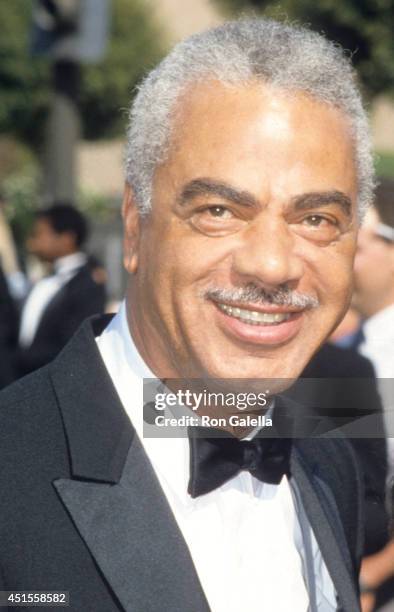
column 374, row 291
column 248, row 167
column 58, row 303
column 374, row 299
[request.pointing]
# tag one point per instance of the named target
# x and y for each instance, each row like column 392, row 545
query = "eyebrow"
column 206, row 186
column 323, row 198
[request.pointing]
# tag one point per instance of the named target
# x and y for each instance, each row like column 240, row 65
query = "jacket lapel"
column 322, row 512
column 113, row 496
column 131, row 533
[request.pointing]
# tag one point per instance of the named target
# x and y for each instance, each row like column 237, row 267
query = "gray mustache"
column 252, row 294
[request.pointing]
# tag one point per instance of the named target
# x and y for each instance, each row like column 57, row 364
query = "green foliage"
column 98, row 207
column 106, row 88
column 385, row 164
column 364, row 27
column 21, row 194
column 24, row 83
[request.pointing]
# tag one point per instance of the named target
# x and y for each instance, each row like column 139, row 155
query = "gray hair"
column 290, row 57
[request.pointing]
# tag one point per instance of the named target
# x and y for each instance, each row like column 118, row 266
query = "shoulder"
column 86, row 277
column 31, row 429
column 34, row 389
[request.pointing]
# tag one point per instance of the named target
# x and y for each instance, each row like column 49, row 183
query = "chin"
column 261, row 370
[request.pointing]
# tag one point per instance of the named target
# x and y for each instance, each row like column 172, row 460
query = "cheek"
column 199, row 260
column 340, row 286
column 363, row 265
column 332, row 269
column 45, row 245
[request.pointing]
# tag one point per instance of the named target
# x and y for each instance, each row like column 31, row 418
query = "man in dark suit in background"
column 373, row 298
column 248, row 167
column 57, row 304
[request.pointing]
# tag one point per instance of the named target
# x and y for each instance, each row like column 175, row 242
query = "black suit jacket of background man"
column 81, row 509
column 79, row 298
column 8, row 332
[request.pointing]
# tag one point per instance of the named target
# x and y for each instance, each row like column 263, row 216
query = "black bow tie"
column 213, row 461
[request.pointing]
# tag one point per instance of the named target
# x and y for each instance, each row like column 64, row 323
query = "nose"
column 268, row 255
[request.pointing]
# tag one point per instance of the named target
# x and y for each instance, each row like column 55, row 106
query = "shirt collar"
column 69, row 263
column 379, row 325
column 169, row 456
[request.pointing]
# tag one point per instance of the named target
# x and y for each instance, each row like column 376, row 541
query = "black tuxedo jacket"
column 79, row 298
column 352, row 382
column 8, row 332
column 81, row 509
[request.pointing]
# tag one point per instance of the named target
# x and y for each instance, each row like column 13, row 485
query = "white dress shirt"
column 244, row 537
column 43, row 292
column 378, row 346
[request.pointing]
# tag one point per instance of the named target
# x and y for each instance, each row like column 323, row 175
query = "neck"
column 373, row 309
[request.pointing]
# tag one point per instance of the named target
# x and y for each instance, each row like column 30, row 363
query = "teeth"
column 253, row 317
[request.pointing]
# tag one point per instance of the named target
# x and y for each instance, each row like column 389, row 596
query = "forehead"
column 42, row 225
column 212, row 104
column 260, row 132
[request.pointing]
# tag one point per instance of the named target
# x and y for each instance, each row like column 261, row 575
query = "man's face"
column 373, row 269
column 244, row 265
column 45, row 243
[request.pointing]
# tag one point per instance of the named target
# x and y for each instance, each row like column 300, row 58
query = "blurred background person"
column 377, row 574
column 341, row 383
column 373, row 294
column 374, row 300
column 59, row 302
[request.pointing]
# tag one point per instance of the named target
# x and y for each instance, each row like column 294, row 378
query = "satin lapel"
column 113, row 495
column 131, row 533
column 320, row 508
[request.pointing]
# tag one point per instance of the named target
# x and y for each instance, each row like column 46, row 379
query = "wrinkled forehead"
column 209, row 101
column 260, row 133
column 213, row 117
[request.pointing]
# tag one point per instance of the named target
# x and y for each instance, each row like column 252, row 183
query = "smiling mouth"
column 253, row 317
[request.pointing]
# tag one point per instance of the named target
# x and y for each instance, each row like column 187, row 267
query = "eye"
column 319, row 228
column 318, row 221
column 216, row 220
column 220, row 212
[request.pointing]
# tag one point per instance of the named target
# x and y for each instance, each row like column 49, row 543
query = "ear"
column 131, row 230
